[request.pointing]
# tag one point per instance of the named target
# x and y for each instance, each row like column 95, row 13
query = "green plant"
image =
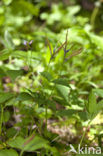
column 50, row 77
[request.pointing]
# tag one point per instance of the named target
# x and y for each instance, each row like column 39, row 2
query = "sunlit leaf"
column 8, row 152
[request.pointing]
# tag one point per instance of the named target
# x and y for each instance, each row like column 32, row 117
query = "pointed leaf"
column 24, row 96
column 92, row 103
column 47, row 75
column 63, row 91
column 62, row 81
column 67, row 113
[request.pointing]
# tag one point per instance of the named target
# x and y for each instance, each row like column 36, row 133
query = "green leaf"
column 6, row 116
column 99, row 92
column 13, row 74
column 31, row 143
column 4, row 54
column 83, row 116
column 10, row 102
column 60, row 100
column 74, row 9
column 96, row 40
column 5, row 96
column 39, row 97
column 68, row 113
column 61, row 81
column 48, row 55
column 23, row 55
column 11, row 132
column 92, row 104
column 8, row 40
column 8, row 152
column 63, row 91
column 100, row 105
column 24, row 96
column 2, row 72
column 16, row 143
column 35, row 143
column 47, row 75
column 52, row 104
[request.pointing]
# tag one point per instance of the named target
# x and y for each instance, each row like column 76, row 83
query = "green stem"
column 46, row 115
column 93, row 16
column 46, row 106
column 84, row 133
column 83, row 137
column 21, row 153
column 1, row 119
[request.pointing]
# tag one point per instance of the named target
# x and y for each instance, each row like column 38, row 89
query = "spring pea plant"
column 53, row 97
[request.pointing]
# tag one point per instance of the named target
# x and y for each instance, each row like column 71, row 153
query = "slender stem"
column 21, row 153
column 46, row 106
column 84, row 133
column 83, row 136
column 46, row 115
column 93, row 16
column 1, row 119
column 52, row 55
